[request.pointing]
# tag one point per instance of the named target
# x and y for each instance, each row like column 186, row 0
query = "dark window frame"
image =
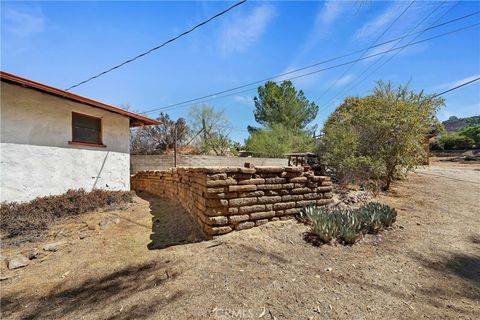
column 99, row 143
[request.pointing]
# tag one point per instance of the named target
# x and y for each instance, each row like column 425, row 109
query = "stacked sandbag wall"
column 223, row 199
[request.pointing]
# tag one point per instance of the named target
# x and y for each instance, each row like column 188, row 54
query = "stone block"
column 268, row 169
column 252, row 181
column 217, row 230
column 257, row 193
column 298, row 179
column 269, row 186
column 217, row 220
column 242, row 202
column 283, row 205
column 254, row 208
column 300, row 190
column 245, row 225
column 260, row 222
column 262, row 215
column 269, row 199
column 242, row 188
column 238, row 218
column 306, row 203
column 294, row 169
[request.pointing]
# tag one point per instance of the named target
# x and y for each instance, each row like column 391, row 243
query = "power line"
column 376, row 40
column 309, row 66
column 159, row 46
column 360, row 79
column 214, row 96
column 456, row 87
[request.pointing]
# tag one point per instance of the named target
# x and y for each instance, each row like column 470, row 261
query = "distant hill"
column 454, row 124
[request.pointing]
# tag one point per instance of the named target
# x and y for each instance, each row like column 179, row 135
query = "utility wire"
column 363, row 54
column 159, row 46
column 360, row 79
column 214, row 96
column 312, row 65
column 456, row 87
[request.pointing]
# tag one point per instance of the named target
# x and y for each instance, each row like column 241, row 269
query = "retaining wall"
column 164, row 161
column 223, row 199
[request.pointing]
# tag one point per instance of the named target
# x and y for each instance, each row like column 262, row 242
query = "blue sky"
column 62, row 43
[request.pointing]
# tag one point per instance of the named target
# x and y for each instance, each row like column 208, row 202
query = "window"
column 86, row 129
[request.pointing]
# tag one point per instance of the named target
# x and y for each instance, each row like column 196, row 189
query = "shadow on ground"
column 460, row 265
column 171, row 225
column 112, row 295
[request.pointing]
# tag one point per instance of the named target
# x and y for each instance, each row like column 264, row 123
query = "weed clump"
column 31, row 220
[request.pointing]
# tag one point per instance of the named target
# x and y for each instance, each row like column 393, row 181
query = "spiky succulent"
column 347, row 226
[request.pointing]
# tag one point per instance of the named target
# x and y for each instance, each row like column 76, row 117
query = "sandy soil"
column 427, row 266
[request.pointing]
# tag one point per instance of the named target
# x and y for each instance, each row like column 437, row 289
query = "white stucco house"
column 53, row 140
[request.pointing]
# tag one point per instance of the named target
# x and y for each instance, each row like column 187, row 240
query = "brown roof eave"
column 136, row 120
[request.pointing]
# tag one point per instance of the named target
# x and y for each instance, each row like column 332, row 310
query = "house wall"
column 165, row 161
column 36, row 158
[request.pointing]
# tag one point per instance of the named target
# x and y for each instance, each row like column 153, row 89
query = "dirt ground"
column 427, row 266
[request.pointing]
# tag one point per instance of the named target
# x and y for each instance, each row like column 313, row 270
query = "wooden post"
column 175, row 146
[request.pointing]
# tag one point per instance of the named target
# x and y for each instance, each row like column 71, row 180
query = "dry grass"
column 28, row 221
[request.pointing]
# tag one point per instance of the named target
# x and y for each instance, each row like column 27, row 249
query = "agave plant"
column 348, row 226
column 385, row 215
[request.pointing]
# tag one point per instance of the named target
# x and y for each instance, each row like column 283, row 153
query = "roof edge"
column 136, row 120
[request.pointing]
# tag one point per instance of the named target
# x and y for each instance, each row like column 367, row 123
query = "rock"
column 108, row 221
column 3, row 278
column 328, row 269
column 18, row 261
column 52, row 247
column 35, row 254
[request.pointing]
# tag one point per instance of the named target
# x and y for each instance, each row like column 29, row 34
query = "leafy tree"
column 473, row 132
column 211, row 128
column 473, row 121
column 283, row 105
column 278, row 141
column 159, row 138
column 379, row 136
column 456, row 141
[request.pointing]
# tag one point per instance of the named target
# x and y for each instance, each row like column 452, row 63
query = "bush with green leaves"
column 380, row 136
column 348, row 226
column 456, row 141
column 472, row 132
column 277, row 141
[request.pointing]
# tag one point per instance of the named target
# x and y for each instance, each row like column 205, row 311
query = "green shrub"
column 277, row 141
column 380, row 135
column 348, row 226
column 456, row 141
column 472, row 132
column 31, row 220
column 437, row 145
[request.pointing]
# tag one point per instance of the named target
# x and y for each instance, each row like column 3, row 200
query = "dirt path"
column 428, row 266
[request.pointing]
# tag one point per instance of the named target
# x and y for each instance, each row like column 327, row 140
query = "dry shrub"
column 32, row 219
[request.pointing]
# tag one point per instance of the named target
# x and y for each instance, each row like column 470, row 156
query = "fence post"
column 175, row 146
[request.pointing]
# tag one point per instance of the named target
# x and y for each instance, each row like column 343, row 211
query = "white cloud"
column 22, row 24
column 244, row 30
column 346, row 79
column 380, row 22
column 325, row 18
column 449, row 85
column 247, row 100
column 467, row 79
column 329, row 13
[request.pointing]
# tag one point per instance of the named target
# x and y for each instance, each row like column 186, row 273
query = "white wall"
column 36, row 158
